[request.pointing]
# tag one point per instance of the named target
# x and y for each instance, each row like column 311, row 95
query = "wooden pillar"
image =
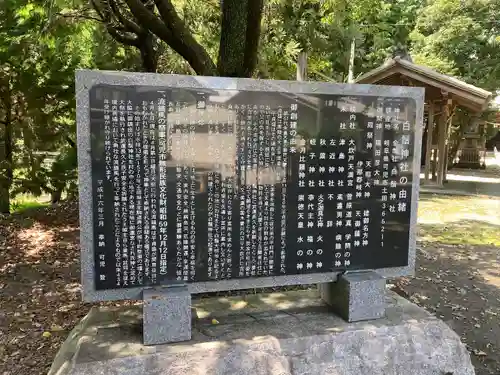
column 449, row 119
column 442, row 135
column 350, row 75
column 428, row 148
column 434, row 164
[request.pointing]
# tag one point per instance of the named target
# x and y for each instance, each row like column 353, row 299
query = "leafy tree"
column 460, row 38
column 321, row 28
column 239, row 31
column 37, row 94
column 40, row 48
column 326, row 29
column 125, row 29
column 297, row 26
column 41, row 45
column 382, row 27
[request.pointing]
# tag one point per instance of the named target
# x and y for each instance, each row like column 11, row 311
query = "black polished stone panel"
column 197, row 185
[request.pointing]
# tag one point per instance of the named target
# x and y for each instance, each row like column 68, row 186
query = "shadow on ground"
column 458, row 280
column 39, row 285
column 461, row 285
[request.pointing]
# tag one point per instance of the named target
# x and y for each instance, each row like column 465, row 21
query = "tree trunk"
column 56, row 196
column 6, row 149
column 169, row 27
column 240, row 31
column 254, row 20
column 302, row 66
column 452, row 153
column 149, row 56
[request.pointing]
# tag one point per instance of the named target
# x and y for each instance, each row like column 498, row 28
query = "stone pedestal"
column 292, row 333
column 356, row 296
column 166, row 315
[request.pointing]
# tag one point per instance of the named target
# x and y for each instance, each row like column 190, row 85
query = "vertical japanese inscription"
column 231, row 178
column 153, row 178
column 131, row 194
column 139, row 190
column 117, row 189
column 283, row 151
column 194, row 187
column 100, row 194
column 123, row 186
column 163, row 151
column 175, row 108
column 146, row 155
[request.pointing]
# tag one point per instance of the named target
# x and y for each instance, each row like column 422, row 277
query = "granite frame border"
column 86, row 79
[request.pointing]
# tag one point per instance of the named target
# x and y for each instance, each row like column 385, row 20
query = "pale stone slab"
column 255, row 337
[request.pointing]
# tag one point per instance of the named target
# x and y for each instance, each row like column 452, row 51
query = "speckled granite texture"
column 291, row 333
column 86, row 79
column 356, row 296
column 166, row 315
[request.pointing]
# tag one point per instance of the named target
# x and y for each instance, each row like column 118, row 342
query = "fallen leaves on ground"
column 41, row 301
column 461, row 286
column 479, row 353
column 39, row 286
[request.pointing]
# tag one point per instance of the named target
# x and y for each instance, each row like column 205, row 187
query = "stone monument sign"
column 196, row 184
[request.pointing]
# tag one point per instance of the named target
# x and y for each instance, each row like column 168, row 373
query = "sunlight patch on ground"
column 491, row 276
column 432, row 217
column 442, row 209
column 24, row 202
column 36, row 239
column 483, row 261
column 459, row 220
column 457, row 177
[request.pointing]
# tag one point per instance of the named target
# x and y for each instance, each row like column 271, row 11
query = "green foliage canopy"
column 43, row 42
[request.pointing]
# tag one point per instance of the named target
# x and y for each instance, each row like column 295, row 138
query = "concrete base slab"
column 291, row 333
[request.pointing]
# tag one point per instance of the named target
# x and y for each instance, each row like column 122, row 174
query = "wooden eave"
column 436, row 84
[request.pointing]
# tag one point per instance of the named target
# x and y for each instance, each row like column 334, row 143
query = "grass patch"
column 459, row 220
column 465, row 233
column 23, row 203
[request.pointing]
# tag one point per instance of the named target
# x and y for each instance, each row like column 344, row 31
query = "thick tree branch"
column 127, row 31
column 174, row 33
column 123, row 38
column 128, row 23
column 71, row 142
column 79, row 16
column 13, row 119
column 103, row 15
column 169, row 16
column 146, row 17
column 148, row 54
column 179, row 30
